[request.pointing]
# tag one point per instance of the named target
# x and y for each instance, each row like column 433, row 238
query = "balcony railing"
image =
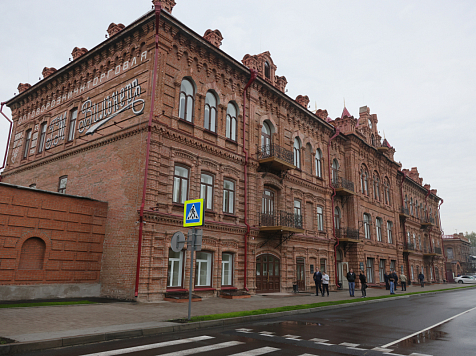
column 343, row 183
column 281, row 219
column 404, row 211
column 428, row 221
column 409, row 247
column 275, row 151
column 438, row 250
column 347, row 233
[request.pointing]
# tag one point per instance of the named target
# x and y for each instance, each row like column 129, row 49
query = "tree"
column 471, row 237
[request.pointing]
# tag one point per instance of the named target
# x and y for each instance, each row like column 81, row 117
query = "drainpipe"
column 333, row 206
column 254, row 74
column 441, row 230
column 158, row 9
column 8, row 140
column 429, row 230
column 405, row 241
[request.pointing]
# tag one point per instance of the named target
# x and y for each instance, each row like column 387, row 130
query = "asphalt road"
column 437, row 324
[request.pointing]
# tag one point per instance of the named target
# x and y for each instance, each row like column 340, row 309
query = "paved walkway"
column 54, row 322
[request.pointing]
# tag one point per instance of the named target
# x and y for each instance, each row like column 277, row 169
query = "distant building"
column 287, row 190
column 459, row 259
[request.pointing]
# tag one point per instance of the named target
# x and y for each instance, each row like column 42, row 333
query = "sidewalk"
column 76, row 324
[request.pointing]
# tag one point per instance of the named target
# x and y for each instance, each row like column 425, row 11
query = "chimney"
column 214, row 37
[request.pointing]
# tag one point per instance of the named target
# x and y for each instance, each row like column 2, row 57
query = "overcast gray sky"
column 411, row 62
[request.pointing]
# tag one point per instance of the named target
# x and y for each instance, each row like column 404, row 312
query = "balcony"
column 276, row 157
column 428, row 252
column 438, row 250
column 343, row 186
column 409, row 247
column 427, row 222
column 281, row 221
column 348, row 235
column 404, row 212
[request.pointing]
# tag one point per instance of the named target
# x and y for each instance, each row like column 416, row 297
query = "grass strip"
column 44, row 304
column 306, row 306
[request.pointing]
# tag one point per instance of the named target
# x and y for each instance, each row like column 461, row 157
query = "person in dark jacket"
column 385, row 278
column 351, row 279
column 393, row 278
column 363, row 284
column 318, row 281
column 421, row 278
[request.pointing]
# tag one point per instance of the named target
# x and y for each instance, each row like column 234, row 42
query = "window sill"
column 210, row 132
column 200, row 289
column 176, row 289
column 230, row 215
column 229, row 288
column 186, row 122
column 180, row 205
column 231, row 141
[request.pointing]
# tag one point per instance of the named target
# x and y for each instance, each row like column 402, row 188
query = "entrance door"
column 342, row 269
column 267, row 274
column 301, row 283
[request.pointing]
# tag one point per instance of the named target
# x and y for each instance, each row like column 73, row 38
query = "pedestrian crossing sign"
column 193, row 213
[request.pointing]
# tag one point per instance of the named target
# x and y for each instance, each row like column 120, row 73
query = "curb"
column 19, row 347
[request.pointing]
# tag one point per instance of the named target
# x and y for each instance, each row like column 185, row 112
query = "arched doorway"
column 267, row 274
column 342, row 269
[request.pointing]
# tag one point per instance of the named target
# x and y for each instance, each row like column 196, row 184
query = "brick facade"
column 286, row 235
column 458, row 255
column 49, row 237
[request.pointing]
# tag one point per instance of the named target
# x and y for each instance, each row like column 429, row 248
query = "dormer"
column 266, row 69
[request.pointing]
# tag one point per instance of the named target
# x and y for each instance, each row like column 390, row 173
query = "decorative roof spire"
column 345, row 113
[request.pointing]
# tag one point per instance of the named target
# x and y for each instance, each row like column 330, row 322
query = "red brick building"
column 50, row 243
column 286, row 190
column 458, row 255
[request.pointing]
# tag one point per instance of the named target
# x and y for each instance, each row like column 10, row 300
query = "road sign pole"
column 192, row 248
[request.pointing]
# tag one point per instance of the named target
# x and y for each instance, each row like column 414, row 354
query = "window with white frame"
column 337, row 218
column 449, row 253
column 335, row 171
column 320, row 219
column 72, row 124
column 378, row 228
column 228, row 196
column 180, row 190
column 187, row 99
column 227, row 269
column 322, row 265
column 203, row 269
column 62, row 184
column 231, row 122
column 367, row 226
column 209, row 121
column 381, row 269
column 174, row 272
column 41, row 141
column 389, row 232
column 370, row 270
column 297, row 152
column 27, row 143
column 206, row 190
column 411, row 268
column 318, row 163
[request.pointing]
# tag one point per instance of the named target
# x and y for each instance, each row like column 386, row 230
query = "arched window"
column 373, row 140
column 335, row 171
column 187, row 99
column 267, row 70
column 231, row 122
column 337, row 218
column 297, row 152
column 364, row 181
column 406, row 204
column 376, row 187
column 210, row 112
column 318, row 163
column 411, row 206
column 265, row 136
column 387, row 191
column 416, row 208
column 32, row 254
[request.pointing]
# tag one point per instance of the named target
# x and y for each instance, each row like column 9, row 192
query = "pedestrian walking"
column 391, row 280
column 325, row 283
column 385, row 278
column 351, row 279
column 363, row 284
column 318, row 281
column 403, row 280
column 421, row 279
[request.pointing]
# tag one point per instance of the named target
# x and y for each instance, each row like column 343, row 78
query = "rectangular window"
column 382, row 270
column 412, row 271
column 206, row 191
column 297, row 207
column 449, row 253
column 62, row 184
column 370, row 270
column 180, row 194
column 367, row 226
column 227, row 269
column 72, row 125
column 323, row 265
column 41, row 144
column 378, row 228
column 393, row 264
column 27, row 143
column 228, row 196
column 320, row 219
column 174, row 274
column 203, row 269
column 389, row 232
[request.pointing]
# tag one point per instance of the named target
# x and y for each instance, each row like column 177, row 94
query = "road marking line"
column 389, row 353
column 292, row 337
column 318, row 340
column 267, row 333
column 381, row 349
column 257, row 352
column 204, row 348
column 356, row 348
column 348, row 344
column 244, row 330
column 417, row 354
column 324, row 343
column 307, row 355
column 431, row 327
column 151, row 346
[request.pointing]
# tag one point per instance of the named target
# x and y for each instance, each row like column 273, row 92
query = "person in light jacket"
column 325, row 283
column 403, row 280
